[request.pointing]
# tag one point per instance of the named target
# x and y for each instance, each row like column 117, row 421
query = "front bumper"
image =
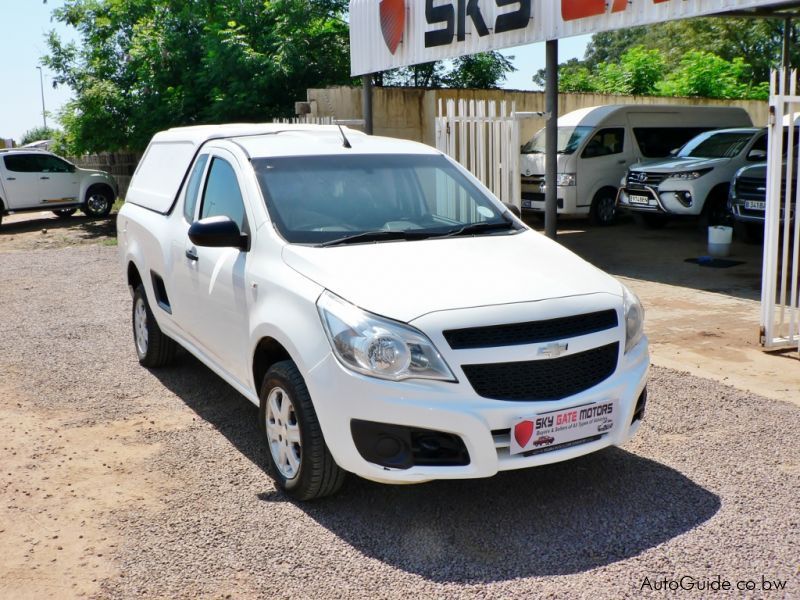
column 341, row 396
column 673, row 202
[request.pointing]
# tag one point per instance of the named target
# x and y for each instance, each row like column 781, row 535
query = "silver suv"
column 695, row 182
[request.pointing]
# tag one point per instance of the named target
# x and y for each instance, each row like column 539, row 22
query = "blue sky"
column 24, row 23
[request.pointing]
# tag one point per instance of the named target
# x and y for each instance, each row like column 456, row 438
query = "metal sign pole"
column 551, row 141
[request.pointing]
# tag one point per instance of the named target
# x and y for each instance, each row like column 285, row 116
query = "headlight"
column 565, row 179
column 379, row 347
column 634, row 318
column 688, row 175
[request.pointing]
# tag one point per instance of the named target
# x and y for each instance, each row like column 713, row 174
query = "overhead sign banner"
column 385, row 34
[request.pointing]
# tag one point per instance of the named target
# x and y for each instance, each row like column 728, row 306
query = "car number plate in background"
column 550, row 429
column 633, row 199
column 526, row 204
column 755, row 204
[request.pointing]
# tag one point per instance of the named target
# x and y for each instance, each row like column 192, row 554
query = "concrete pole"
column 41, row 86
column 551, row 140
column 366, row 102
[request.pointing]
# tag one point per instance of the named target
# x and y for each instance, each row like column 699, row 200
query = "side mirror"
column 757, row 155
column 218, row 232
column 513, row 209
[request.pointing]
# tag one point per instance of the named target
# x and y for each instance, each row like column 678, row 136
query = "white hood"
column 407, row 279
column 534, row 164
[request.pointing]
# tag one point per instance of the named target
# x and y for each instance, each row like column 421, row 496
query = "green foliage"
column 146, row 65
column 483, row 70
column 707, row 75
column 36, row 134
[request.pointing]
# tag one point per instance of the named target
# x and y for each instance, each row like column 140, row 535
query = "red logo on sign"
column 393, row 22
column 580, row 9
column 523, row 432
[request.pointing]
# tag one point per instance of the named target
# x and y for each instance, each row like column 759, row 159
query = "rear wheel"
column 64, row 213
column 604, row 208
column 298, row 459
column 153, row 348
column 650, row 221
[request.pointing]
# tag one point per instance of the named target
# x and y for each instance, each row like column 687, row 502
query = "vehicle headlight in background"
column 376, row 346
column 566, row 179
column 634, row 318
column 689, row 175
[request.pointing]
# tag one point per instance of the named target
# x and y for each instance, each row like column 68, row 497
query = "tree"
column 36, row 134
column 483, row 70
column 146, row 65
column 707, row 75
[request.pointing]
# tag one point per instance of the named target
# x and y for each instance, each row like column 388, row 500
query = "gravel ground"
column 169, row 495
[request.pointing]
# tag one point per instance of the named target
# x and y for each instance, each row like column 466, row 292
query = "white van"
column 596, row 145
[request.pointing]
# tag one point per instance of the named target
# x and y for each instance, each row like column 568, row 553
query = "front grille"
column 637, row 180
column 751, row 188
column 546, row 379
column 532, row 332
column 535, row 196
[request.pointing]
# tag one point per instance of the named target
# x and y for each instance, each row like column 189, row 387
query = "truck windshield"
column 369, row 198
column 569, row 140
column 723, row 144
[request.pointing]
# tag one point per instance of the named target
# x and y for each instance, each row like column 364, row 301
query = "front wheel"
column 604, row 208
column 153, row 348
column 98, row 203
column 298, row 459
column 64, row 213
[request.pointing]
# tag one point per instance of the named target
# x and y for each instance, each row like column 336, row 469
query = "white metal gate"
column 485, row 141
column 780, row 314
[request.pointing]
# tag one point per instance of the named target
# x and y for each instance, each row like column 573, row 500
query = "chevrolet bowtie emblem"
column 553, row 350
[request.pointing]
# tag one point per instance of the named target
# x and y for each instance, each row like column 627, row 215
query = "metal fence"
column 780, row 313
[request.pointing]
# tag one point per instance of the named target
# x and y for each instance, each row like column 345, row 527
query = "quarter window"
column 222, row 196
column 193, row 187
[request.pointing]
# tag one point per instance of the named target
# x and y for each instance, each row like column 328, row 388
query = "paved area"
column 119, row 482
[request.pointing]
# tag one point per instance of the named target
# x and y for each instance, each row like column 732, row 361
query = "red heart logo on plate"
column 523, row 432
column 393, row 22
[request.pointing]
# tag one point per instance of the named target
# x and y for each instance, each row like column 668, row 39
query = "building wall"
column 409, row 113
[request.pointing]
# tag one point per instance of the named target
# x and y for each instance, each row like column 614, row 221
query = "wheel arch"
column 267, row 352
column 134, row 277
column 99, row 186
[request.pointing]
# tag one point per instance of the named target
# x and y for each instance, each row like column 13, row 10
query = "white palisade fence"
column 780, row 313
column 484, row 138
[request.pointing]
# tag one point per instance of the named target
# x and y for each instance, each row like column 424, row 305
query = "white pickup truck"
column 386, row 313
column 35, row 180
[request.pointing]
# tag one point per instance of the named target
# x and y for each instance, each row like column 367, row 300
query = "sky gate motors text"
column 452, row 16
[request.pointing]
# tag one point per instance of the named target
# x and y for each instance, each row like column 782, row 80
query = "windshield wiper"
column 379, row 235
column 473, row 228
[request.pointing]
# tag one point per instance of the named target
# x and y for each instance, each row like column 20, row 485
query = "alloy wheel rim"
column 97, row 203
column 283, row 433
column 607, row 207
column 140, row 327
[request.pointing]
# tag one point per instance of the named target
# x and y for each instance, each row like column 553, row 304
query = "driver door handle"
column 44, row 178
column 191, row 254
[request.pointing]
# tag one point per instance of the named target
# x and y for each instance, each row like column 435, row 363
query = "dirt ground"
column 118, row 482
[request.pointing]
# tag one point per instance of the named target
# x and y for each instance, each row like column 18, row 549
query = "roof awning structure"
column 385, row 34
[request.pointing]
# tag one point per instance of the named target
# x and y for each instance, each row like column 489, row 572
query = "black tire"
column 749, row 233
column 650, row 220
column 64, row 213
column 604, row 208
column 715, row 210
column 317, row 475
column 98, row 202
column 153, row 349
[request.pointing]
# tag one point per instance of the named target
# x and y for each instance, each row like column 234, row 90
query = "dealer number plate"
column 755, row 204
column 634, row 199
column 551, row 429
